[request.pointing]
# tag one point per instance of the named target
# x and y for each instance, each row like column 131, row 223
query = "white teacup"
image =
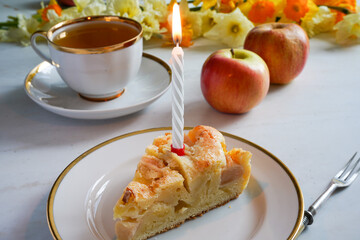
column 96, row 56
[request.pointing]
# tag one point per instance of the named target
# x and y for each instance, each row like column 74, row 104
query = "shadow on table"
column 37, row 228
column 200, row 112
column 277, row 88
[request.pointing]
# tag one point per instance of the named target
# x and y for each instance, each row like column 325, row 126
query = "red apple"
column 283, row 46
column 234, row 80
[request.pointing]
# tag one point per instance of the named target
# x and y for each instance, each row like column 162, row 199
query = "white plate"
column 80, row 204
column 44, row 85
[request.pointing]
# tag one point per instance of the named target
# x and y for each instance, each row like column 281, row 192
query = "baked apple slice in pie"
column 168, row 189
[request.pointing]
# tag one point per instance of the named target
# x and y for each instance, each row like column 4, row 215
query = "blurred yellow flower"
column 70, row 13
column 22, row 33
column 53, row 6
column 154, row 12
column 157, row 7
column 191, row 18
column 83, row 8
column 227, row 6
column 28, row 26
column 201, row 21
column 349, row 5
column 149, row 24
column 226, row 21
column 230, row 29
column 206, row 4
column 323, row 20
column 348, row 30
column 81, row 4
column 196, row 23
column 95, row 7
column 124, row 8
column 208, row 20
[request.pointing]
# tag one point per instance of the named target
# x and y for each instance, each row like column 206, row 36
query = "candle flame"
column 176, row 24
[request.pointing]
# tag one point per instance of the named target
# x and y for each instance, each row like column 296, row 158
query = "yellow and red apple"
column 234, row 80
column 283, row 46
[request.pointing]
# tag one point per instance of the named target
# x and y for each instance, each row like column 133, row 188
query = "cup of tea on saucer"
column 96, row 56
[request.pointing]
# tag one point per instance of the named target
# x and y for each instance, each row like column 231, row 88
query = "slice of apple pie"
column 168, row 189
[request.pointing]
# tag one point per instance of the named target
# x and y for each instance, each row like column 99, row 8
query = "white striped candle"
column 177, row 66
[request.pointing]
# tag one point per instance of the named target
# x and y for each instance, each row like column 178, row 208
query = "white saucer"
column 44, row 86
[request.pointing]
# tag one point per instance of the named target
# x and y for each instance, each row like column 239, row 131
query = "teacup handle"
column 35, row 46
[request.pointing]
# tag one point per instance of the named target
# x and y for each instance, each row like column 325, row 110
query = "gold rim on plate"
column 51, row 198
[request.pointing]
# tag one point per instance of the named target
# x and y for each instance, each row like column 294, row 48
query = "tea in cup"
column 95, row 56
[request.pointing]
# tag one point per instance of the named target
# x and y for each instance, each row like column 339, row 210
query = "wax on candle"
column 177, row 97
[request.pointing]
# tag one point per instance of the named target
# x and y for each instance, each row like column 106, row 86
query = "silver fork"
column 343, row 178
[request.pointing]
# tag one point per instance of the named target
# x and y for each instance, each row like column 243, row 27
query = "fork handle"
column 312, row 210
column 321, row 199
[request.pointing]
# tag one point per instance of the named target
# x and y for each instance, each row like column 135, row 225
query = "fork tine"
column 352, row 170
column 342, row 171
column 354, row 176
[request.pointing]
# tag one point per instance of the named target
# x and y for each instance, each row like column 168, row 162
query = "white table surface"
column 312, row 125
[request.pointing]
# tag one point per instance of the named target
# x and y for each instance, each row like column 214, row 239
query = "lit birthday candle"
column 177, row 66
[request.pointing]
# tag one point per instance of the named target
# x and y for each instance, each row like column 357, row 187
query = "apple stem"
column 232, row 52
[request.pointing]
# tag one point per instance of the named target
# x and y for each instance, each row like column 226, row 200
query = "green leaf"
column 11, row 23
